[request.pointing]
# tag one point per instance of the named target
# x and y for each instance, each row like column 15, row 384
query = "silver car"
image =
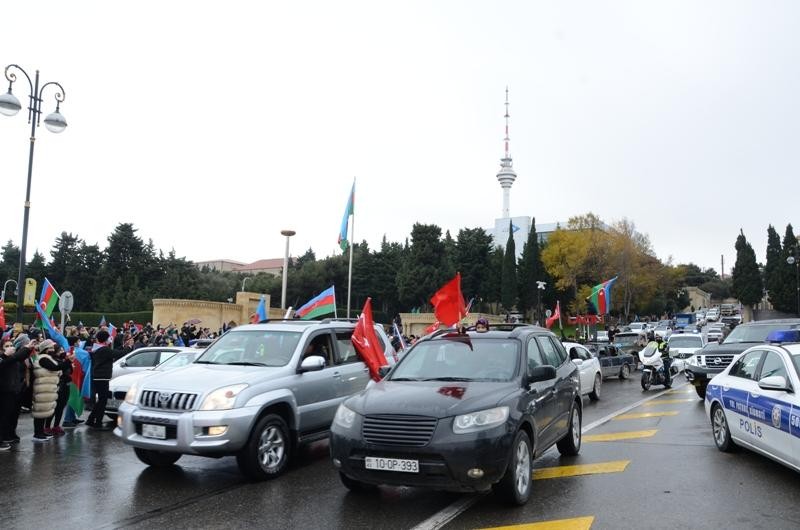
column 256, row 393
column 144, row 359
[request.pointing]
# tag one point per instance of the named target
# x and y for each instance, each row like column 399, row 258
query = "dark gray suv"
column 463, row 412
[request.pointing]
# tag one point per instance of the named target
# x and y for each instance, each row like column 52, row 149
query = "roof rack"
column 329, row 320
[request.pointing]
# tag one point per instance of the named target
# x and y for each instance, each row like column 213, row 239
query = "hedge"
column 88, row 319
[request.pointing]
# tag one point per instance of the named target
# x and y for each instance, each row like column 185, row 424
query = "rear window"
column 459, row 359
column 685, row 341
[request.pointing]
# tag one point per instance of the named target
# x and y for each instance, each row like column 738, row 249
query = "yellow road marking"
column 689, row 390
column 578, row 523
column 668, row 401
column 615, row 466
column 614, row 436
column 637, row 415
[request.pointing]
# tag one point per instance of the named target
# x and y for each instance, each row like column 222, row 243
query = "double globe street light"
column 793, row 260
column 55, row 122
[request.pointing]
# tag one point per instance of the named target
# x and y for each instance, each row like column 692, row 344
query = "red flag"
column 433, row 327
column 366, row 342
column 555, row 316
column 2, row 316
column 448, row 302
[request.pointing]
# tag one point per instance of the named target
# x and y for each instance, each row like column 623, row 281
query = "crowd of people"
column 36, row 372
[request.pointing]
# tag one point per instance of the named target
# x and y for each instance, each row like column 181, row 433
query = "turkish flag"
column 366, row 342
column 555, row 316
column 433, row 327
column 448, row 302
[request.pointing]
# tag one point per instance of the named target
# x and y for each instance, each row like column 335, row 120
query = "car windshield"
column 756, row 333
column 459, row 360
column 662, row 326
column 685, row 341
column 796, row 361
column 625, row 340
column 178, row 360
column 252, row 348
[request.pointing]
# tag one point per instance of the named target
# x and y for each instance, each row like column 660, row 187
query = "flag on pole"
column 102, row 321
column 600, row 299
column 366, row 342
column 348, row 211
column 555, row 316
column 448, row 302
column 54, row 333
column 112, row 331
column 399, row 335
column 261, row 311
column 322, row 304
column 48, row 298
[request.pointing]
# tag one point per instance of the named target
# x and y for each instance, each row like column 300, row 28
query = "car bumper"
column 700, row 375
column 186, row 432
column 443, row 462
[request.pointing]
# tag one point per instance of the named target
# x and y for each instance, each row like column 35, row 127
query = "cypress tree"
column 530, row 271
column 508, row 285
column 786, row 298
column 746, row 277
column 773, row 265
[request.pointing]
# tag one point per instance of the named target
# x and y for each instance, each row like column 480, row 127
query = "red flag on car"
column 366, row 342
column 2, row 317
column 554, row 317
column 448, row 302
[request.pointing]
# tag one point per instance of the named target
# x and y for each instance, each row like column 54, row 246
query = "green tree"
column 37, row 269
column 772, row 267
column 531, row 270
column 472, row 258
column 9, row 266
column 83, row 284
column 784, row 297
column 746, row 277
column 424, row 270
column 508, row 282
column 386, row 265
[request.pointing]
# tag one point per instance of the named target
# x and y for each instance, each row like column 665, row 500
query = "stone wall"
column 211, row 314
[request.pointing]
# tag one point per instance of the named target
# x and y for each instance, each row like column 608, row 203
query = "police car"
column 754, row 403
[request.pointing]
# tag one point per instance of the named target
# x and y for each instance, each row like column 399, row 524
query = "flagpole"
column 335, row 313
column 352, row 242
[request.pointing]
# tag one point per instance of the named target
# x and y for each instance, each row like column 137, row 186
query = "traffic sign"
column 66, row 302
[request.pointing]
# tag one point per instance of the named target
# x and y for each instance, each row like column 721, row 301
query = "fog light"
column 475, row 473
column 337, row 463
column 217, row 430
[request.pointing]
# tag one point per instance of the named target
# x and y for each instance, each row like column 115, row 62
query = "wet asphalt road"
column 675, row 478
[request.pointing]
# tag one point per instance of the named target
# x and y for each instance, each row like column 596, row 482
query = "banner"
column 29, row 298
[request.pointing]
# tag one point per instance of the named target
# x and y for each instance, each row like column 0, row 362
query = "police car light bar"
column 786, row 335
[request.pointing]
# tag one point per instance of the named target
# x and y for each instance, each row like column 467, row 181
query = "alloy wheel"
column 271, row 448
column 720, row 427
column 522, row 468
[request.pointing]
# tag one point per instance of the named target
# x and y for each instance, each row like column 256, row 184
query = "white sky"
column 212, row 126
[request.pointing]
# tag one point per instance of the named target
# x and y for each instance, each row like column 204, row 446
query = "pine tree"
column 530, row 271
column 746, row 277
column 508, row 284
column 773, row 265
column 782, row 295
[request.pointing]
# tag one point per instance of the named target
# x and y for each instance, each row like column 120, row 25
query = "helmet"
column 651, row 335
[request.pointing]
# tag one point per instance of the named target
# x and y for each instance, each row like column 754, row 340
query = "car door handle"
column 753, row 394
column 337, row 374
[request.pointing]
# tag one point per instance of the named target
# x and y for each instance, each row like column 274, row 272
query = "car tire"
column 594, row 395
column 570, row 444
column 266, row 454
column 516, row 485
column 701, row 391
column 356, row 485
column 719, row 427
column 156, row 458
column 625, row 371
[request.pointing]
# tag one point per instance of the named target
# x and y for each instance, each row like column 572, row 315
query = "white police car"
column 754, row 402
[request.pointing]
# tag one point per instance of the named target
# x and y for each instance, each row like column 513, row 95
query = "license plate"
column 392, row 464
column 154, row 431
column 113, row 404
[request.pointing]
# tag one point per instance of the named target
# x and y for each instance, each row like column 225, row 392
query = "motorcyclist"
column 663, row 349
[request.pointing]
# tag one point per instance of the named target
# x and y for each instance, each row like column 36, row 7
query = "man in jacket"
column 12, row 381
column 663, row 349
column 103, row 357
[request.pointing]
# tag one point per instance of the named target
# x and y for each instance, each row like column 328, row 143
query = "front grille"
column 390, row 429
column 724, row 360
column 153, row 399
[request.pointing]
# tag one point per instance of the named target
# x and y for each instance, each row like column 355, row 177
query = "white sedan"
column 683, row 346
column 589, row 366
column 753, row 403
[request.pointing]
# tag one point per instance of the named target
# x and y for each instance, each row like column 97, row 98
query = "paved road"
column 90, row 479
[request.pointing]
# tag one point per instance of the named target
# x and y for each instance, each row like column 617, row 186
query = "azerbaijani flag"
column 348, row 211
column 112, row 331
column 322, row 304
column 600, row 299
column 48, row 298
column 102, row 321
column 261, row 311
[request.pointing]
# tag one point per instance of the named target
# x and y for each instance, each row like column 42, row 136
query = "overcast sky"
column 213, row 125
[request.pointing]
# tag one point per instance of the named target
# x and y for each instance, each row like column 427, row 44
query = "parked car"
column 754, row 403
column 613, row 362
column 715, row 332
column 682, row 346
column 119, row 386
column 714, row 358
column 144, row 359
column 257, row 393
column 589, row 367
column 630, row 342
column 638, row 326
column 713, row 314
column 462, row 413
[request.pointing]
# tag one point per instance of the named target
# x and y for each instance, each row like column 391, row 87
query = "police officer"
column 663, row 349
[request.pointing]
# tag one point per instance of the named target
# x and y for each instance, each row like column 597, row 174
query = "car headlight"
column 222, row 398
column 130, row 395
column 478, row 421
column 344, row 417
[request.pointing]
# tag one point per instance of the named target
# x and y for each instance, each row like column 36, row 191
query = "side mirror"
column 383, row 370
column 312, row 363
column 542, row 373
column 774, row 382
column 123, row 364
column 577, row 361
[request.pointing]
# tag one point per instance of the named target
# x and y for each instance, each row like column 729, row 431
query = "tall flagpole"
column 352, row 242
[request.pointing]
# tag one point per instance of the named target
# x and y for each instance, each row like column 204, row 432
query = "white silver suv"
column 256, row 393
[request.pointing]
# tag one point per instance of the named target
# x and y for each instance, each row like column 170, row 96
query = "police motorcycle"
column 653, row 367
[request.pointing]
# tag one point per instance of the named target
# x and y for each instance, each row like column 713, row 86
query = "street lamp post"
column 539, row 288
column 3, row 294
column 288, row 234
column 55, row 122
column 793, row 260
column 244, row 281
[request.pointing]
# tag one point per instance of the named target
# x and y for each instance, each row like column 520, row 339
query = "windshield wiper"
column 205, row 362
column 449, row 379
column 246, row 363
column 405, row 379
